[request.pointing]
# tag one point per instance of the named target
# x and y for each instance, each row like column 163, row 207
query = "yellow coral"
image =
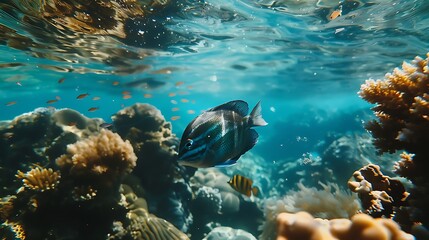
column 40, row 179
column 103, row 154
column 302, row 226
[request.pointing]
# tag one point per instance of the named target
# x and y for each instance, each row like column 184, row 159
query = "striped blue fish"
column 220, row 135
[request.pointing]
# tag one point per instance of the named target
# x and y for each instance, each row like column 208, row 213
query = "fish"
column 147, row 95
column 243, row 185
column 61, row 80
column 83, row 95
column 93, row 109
column 174, row 118
column 96, row 98
column 220, row 135
column 335, row 14
column 10, row 103
column 106, row 125
column 52, row 101
column 126, row 96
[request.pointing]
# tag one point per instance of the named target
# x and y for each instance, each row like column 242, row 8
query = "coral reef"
column 381, row 195
column 329, row 202
column 153, row 141
column 402, row 107
column 72, row 187
column 39, row 137
column 302, row 226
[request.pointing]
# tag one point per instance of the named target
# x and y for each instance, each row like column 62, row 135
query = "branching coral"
column 302, row 226
column 40, row 179
column 104, row 154
column 402, row 106
column 380, row 194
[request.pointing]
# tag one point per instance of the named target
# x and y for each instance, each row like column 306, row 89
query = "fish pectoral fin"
column 239, row 106
column 227, row 163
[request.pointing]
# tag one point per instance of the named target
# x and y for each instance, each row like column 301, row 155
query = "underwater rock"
column 302, row 226
column 402, row 107
column 348, row 153
column 329, row 202
column 381, row 196
column 227, row 233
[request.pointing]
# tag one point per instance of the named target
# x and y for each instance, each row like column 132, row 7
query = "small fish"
column 172, row 94
column 175, row 109
column 93, row 109
column 10, row 103
column 173, row 102
column 19, row 84
column 190, row 111
column 184, row 100
column 96, row 98
column 61, row 80
column 106, row 125
column 126, row 96
column 174, row 118
column 147, row 95
column 115, row 83
column 52, row 101
column 243, row 185
column 179, row 83
column 126, row 93
column 335, row 14
column 83, row 95
column 220, row 135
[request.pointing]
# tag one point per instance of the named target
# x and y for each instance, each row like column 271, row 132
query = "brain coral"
column 105, row 157
column 302, row 226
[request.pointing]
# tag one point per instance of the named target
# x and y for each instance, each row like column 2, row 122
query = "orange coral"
column 40, row 179
column 302, row 226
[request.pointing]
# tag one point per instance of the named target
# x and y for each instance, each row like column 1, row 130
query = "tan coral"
column 379, row 194
column 40, row 179
column 102, row 154
column 302, row 226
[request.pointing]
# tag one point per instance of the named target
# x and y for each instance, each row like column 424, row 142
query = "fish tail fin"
column 255, row 118
column 255, row 191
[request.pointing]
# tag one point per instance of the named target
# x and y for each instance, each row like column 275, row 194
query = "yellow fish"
column 243, row 185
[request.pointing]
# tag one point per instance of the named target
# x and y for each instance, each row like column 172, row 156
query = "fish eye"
column 189, row 143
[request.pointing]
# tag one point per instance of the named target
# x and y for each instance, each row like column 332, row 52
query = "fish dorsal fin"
column 239, row 106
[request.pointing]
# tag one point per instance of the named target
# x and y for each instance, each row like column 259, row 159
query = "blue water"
column 192, row 55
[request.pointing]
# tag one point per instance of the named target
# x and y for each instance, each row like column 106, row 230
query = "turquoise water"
column 187, row 56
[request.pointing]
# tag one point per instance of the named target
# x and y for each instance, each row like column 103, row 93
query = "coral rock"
column 380, row 194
